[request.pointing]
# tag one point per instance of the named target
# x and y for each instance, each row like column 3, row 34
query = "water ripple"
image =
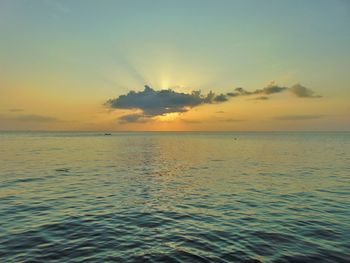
column 165, row 198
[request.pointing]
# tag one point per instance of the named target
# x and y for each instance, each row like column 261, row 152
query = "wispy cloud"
column 261, row 98
column 16, row 110
column 298, row 117
column 191, row 121
column 234, row 120
column 35, row 118
column 271, row 89
column 136, row 117
column 29, row 118
column 303, row 92
column 298, row 90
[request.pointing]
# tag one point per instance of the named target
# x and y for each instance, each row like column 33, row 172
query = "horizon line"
column 169, row 131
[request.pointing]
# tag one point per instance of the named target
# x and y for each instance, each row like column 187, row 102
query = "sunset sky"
column 260, row 65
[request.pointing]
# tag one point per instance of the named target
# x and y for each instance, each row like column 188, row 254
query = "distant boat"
column 108, row 133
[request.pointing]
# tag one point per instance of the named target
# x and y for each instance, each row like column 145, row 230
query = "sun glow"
column 164, row 83
column 168, row 117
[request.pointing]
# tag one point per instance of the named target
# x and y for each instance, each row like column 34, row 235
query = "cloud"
column 136, row 117
column 221, row 98
column 303, row 92
column 240, row 92
column 35, row 118
column 29, row 118
column 155, row 103
column 234, row 120
column 272, row 89
column 191, row 121
column 268, row 90
column 298, row 117
column 262, row 98
column 298, row 90
column 16, row 110
column 152, row 103
column 232, row 94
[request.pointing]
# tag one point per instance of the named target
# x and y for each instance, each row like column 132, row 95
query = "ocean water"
column 174, row 197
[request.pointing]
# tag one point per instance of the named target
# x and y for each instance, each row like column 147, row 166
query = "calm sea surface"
column 174, row 197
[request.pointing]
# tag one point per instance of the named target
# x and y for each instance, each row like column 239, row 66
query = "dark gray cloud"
column 271, row 89
column 303, row 92
column 240, row 92
column 154, row 103
column 298, row 117
column 232, row 94
column 221, row 98
column 136, row 117
column 298, row 90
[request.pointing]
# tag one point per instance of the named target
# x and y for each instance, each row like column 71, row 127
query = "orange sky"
column 61, row 62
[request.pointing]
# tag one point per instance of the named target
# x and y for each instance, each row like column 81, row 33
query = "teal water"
column 174, row 197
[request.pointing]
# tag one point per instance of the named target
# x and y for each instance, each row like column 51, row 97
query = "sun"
column 168, row 117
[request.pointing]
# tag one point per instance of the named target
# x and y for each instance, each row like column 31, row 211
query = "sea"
column 175, row 197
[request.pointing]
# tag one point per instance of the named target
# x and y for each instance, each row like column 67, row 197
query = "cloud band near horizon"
column 154, row 103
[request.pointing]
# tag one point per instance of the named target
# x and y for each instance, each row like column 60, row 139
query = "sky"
column 185, row 65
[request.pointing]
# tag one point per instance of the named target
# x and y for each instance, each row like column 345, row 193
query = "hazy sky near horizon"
column 61, row 61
